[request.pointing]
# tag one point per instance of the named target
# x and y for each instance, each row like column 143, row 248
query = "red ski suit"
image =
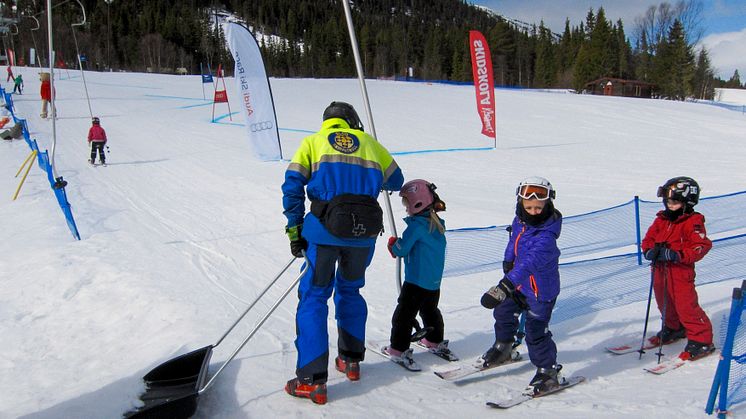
column 687, row 236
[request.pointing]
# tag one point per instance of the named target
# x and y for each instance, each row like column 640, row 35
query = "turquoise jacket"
column 424, row 252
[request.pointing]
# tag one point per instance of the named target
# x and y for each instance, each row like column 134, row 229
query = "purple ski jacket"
column 535, row 256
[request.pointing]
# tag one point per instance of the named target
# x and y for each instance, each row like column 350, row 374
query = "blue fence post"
column 637, row 228
column 722, row 374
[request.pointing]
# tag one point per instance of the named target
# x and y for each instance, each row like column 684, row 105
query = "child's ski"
column 529, row 394
column 441, row 351
column 466, row 369
column 631, row 347
column 666, row 365
column 406, row 363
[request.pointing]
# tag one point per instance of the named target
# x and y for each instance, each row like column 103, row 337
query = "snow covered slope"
column 183, row 229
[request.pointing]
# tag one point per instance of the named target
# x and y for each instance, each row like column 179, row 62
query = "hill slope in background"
column 183, row 229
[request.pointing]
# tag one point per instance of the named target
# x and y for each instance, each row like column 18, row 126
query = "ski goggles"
column 673, row 192
column 540, row 192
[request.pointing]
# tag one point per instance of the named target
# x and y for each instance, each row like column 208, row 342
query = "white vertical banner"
column 32, row 56
column 255, row 93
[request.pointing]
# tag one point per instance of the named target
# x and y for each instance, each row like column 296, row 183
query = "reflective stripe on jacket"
column 334, row 161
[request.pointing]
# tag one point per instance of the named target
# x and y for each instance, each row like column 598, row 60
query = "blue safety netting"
column 594, row 285
column 42, row 158
column 607, row 232
column 737, row 374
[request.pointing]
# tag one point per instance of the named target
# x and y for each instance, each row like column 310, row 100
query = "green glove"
column 298, row 244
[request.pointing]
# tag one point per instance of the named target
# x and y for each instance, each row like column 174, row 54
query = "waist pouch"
column 350, row 216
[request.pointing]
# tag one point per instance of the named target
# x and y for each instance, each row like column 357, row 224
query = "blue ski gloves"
column 668, row 255
column 661, row 253
column 652, row 253
column 297, row 243
column 497, row 294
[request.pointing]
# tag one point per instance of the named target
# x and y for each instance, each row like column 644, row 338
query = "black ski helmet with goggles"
column 682, row 188
column 344, row 111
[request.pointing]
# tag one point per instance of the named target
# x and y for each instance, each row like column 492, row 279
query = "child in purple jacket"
column 531, row 284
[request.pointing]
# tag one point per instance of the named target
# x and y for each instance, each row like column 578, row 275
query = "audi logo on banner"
column 261, row 126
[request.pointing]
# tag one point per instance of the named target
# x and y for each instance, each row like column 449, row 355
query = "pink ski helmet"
column 417, row 195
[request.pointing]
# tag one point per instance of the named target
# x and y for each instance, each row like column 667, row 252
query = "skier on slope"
column 673, row 243
column 343, row 170
column 97, row 141
column 531, row 284
column 423, row 245
column 18, row 84
column 45, row 91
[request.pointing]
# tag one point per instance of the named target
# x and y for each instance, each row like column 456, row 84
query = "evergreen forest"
column 309, row 38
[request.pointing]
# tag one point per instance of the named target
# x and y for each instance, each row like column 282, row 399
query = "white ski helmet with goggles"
column 535, row 187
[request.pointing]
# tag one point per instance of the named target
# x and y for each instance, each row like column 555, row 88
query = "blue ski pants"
column 542, row 350
column 339, row 270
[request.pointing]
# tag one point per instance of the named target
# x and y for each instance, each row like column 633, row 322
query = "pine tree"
column 545, row 71
column 735, row 81
column 703, row 80
column 674, row 65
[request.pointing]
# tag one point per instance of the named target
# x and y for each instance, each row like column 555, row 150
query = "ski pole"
column 647, row 311
column 663, row 312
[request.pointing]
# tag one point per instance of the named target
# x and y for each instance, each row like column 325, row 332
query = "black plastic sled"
column 172, row 389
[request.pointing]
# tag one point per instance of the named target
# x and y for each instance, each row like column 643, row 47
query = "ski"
column 529, row 394
column 668, row 364
column 444, row 353
column 650, row 343
column 410, row 366
column 466, row 369
column 631, row 347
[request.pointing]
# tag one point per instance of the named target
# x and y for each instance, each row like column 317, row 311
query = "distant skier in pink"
column 97, row 140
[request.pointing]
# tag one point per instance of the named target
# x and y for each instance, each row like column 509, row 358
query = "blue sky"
column 724, row 22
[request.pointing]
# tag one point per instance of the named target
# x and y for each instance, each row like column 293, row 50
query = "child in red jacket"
column 676, row 240
column 45, row 92
column 97, row 141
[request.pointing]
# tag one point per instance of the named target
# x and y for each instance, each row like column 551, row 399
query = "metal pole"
column 33, row 38
column 256, row 300
column 80, row 63
column 13, row 46
column 369, row 115
column 59, row 181
column 647, row 311
column 259, row 325
column 108, row 33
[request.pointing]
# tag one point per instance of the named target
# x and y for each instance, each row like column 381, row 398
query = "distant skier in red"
column 45, row 92
column 97, row 140
column 674, row 242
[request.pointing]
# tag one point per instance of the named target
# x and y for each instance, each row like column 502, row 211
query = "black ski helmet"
column 682, row 188
column 95, row 120
column 344, row 111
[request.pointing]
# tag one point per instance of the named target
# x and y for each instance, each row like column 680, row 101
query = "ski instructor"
column 343, row 169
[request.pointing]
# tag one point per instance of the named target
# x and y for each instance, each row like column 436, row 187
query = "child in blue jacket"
column 423, row 247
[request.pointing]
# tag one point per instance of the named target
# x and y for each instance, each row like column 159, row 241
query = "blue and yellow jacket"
column 334, row 161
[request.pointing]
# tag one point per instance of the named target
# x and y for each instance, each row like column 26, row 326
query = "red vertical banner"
column 221, row 96
column 481, row 66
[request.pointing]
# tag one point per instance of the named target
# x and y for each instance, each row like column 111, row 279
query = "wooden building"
column 608, row 86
